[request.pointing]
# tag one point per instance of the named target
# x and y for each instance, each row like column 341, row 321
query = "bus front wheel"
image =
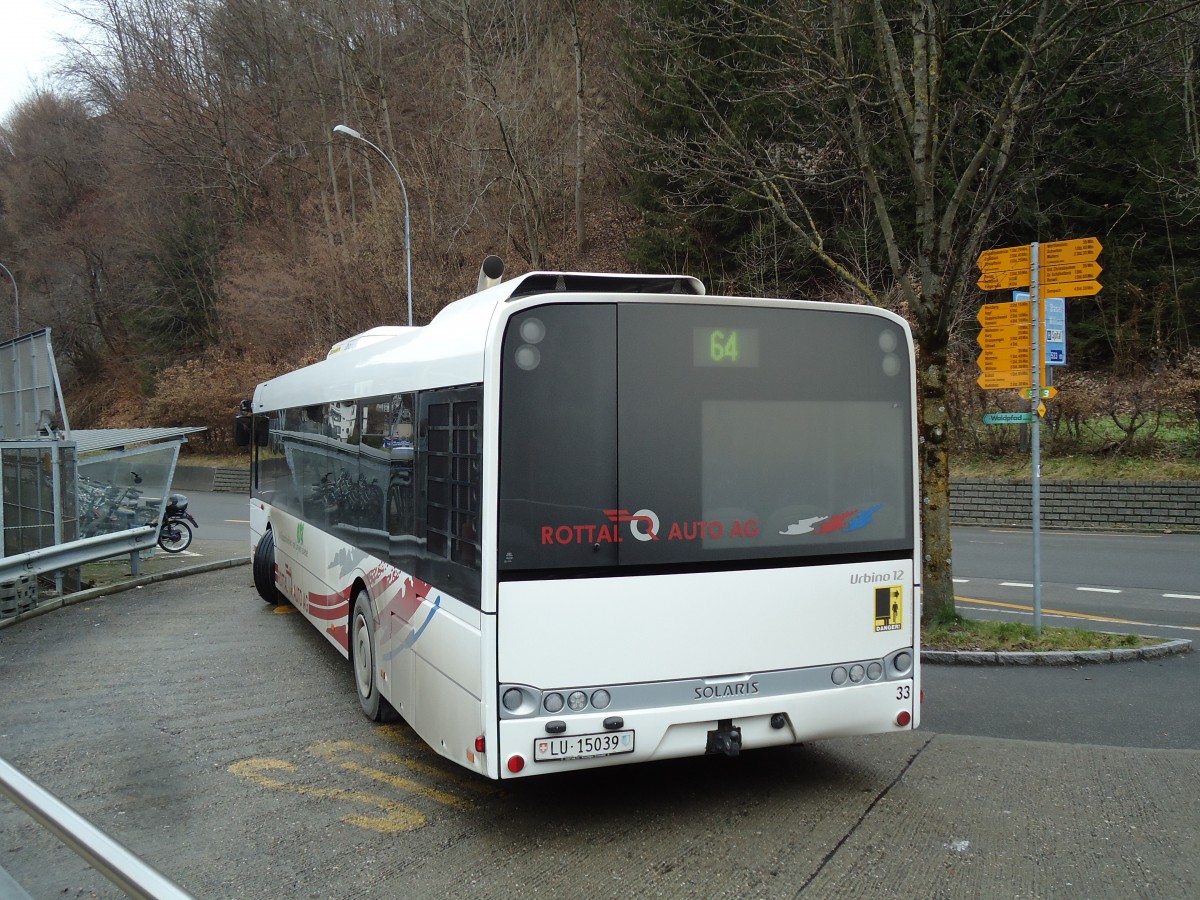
column 362, row 652
column 263, row 568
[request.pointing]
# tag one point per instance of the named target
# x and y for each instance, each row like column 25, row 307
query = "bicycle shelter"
column 60, row 485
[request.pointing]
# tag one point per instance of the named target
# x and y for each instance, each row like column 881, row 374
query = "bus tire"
column 263, row 568
column 362, row 658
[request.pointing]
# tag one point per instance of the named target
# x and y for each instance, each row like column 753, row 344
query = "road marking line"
column 333, row 752
column 1072, row 615
column 1183, row 596
column 965, row 580
column 1099, row 590
column 1015, row 584
column 238, row 521
column 1076, row 533
column 398, row 817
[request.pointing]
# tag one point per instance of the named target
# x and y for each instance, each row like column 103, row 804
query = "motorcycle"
column 175, row 534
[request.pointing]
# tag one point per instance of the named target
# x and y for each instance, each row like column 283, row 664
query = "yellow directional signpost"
column 1006, row 341
column 1005, row 259
column 996, row 315
column 1006, row 380
column 1000, row 281
column 1069, row 272
column 1014, row 335
column 1069, row 289
column 1080, row 250
column 1004, row 336
column 1006, row 359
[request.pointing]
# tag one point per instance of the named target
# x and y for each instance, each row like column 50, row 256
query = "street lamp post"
column 350, row 132
column 16, row 302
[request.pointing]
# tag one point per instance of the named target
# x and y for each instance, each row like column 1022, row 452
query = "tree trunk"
column 577, row 40
column 937, row 582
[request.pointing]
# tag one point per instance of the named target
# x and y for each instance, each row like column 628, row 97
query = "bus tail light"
column 516, row 764
column 903, row 718
column 479, row 744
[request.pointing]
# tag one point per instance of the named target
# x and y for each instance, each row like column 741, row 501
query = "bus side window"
column 449, row 467
column 397, row 441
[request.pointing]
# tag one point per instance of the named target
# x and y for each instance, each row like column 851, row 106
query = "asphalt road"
column 220, row 738
column 222, row 516
column 1142, row 583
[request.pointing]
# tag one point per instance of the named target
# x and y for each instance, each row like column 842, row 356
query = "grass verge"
column 953, row 632
column 1083, row 467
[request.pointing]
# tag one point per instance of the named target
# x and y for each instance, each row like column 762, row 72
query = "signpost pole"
column 1069, row 269
column 1035, row 401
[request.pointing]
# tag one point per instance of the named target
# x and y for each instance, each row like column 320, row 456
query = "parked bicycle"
column 175, row 534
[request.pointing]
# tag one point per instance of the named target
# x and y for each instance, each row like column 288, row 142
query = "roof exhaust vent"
column 490, row 272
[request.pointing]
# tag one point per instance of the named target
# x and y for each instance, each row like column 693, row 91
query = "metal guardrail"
column 116, row 863
column 77, row 553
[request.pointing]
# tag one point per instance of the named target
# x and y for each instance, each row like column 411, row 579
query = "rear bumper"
column 680, row 731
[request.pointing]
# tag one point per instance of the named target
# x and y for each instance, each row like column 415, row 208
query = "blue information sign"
column 1054, row 314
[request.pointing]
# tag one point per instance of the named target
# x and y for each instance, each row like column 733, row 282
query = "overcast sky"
column 27, row 45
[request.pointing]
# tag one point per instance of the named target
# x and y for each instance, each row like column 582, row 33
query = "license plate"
column 582, row 746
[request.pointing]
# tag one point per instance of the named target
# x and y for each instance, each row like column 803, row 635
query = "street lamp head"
column 347, row 130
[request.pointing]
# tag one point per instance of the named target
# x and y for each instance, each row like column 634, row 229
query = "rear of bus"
column 706, row 534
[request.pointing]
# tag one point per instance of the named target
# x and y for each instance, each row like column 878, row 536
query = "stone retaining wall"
column 1135, row 505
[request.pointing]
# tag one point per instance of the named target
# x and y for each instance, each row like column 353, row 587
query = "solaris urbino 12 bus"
column 579, row 520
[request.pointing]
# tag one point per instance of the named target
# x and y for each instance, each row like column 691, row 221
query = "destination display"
column 725, row 348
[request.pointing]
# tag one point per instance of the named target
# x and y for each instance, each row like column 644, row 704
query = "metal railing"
column 18, row 574
column 116, row 863
column 76, row 553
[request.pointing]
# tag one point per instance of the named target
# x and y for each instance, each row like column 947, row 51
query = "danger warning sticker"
column 889, row 608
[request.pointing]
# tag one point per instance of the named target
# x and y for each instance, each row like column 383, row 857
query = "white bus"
column 581, row 520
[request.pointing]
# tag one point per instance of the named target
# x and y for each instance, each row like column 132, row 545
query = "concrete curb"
column 1054, row 657
column 118, row 586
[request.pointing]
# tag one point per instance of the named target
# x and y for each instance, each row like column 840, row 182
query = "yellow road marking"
column 1073, row 615
column 399, row 818
column 333, row 751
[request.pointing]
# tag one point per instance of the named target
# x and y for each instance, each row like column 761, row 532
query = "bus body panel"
column 303, row 557
column 556, row 634
column 445, row 664
column 677, row 731
column 431, row 674
column 446, row 715
column 428, row 644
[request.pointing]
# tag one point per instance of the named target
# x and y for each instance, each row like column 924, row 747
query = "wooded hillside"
column 181, row 213
column 183, row 217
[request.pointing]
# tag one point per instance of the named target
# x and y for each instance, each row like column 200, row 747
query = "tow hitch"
column 725, row 739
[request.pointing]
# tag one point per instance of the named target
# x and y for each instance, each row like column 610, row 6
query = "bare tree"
column 922, row 108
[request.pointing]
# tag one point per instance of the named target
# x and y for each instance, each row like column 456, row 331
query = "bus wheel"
column 362, row 654
column 263, row 568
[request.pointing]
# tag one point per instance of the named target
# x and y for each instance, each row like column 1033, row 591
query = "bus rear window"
column 689, row 435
